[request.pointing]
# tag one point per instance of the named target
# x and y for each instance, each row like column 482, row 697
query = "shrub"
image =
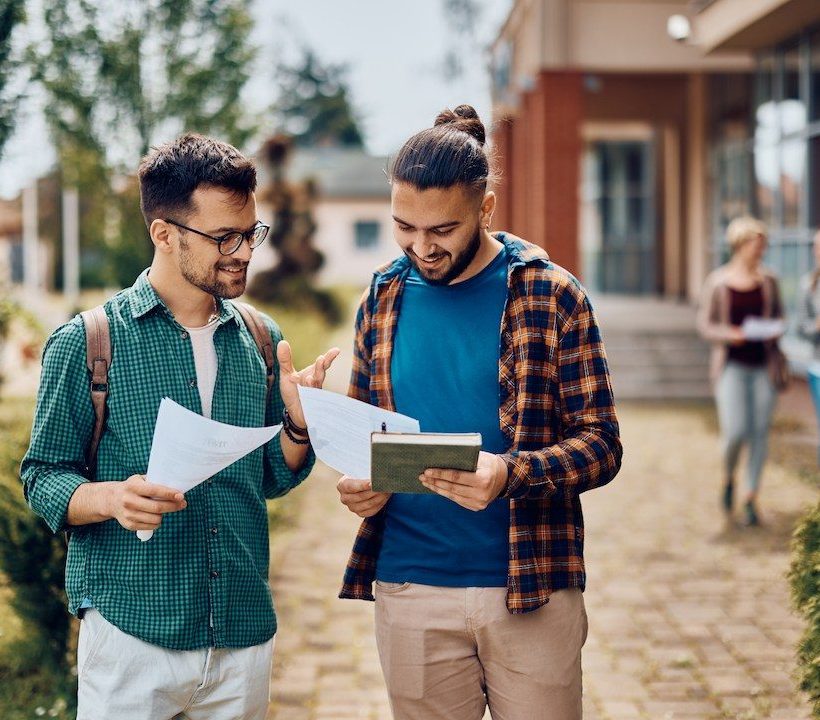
column 805, row 585
column 32, row 559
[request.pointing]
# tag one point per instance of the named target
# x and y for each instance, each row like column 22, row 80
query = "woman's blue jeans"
column 745, row 399
column 814, row 387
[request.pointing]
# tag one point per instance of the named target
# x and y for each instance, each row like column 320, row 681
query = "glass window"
column 366, row 235
column 766, row 181
column 813, row 194
column 764, row 89
column 792, row 180
column 734, row 175
column 792, row 106
column 814, row 80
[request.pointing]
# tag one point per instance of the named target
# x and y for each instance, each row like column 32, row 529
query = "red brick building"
column 625, row 151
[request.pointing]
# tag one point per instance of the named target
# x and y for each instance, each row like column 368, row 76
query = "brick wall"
column 538, row 154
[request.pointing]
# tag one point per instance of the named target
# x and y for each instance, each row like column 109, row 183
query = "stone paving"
column 689, row 616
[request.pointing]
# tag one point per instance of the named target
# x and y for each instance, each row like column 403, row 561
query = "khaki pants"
column 448, row 652
column 123, row 677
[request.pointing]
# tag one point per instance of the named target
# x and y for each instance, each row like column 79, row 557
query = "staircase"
column 654, row 351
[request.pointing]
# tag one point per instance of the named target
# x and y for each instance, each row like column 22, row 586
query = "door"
column 619, row 236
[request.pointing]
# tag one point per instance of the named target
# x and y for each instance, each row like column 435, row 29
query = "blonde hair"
column 743, row 229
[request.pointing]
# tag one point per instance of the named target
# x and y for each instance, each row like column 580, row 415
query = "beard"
column 449, row 271
column 208, row 278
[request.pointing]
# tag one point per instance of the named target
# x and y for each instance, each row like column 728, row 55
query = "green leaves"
column 805, row 584
column 12, row 13
column 314, row 105
column 121, row 77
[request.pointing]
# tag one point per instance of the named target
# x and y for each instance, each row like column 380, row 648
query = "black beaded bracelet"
column 293, row 430
column 293, row 438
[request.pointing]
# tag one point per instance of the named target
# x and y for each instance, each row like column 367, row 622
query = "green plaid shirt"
column 202, row 580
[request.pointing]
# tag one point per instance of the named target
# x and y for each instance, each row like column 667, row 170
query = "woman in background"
column 808, row 324
column 742, row 363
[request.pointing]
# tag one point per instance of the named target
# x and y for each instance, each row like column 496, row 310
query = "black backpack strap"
column 98, row 360
column 261, row 335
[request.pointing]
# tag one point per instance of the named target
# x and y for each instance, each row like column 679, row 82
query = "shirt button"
column 214, row 531
column 184, row 335
column 192, row 384
column 214, row 574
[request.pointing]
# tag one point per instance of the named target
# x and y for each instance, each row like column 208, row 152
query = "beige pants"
column 123, row 677
column 448, row 652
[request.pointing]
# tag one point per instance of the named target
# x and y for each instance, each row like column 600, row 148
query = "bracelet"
column 292, row 429
column 293, row 438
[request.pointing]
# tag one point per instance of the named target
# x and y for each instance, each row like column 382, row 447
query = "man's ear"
column 487, row 210
column 162, row 235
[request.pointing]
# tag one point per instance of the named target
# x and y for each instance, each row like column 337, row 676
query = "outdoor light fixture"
column 678, row 28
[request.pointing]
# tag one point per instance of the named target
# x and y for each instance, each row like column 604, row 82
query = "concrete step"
column 629, row 390
column 661, row 373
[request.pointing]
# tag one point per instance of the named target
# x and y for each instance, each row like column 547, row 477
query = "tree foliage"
column 462, row 18
column 291, row 235
column 805, row 585
column 12, row 13
column 314, row 104
column 120, row 77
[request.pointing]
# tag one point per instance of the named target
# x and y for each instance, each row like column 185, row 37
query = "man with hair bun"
column 478, row 584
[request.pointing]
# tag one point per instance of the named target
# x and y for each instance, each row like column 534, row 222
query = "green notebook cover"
column 397, row 459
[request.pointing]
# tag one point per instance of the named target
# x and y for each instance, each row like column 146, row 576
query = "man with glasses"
column 180, row 626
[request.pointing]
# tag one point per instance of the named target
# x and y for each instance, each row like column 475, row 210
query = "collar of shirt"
column 143, row 298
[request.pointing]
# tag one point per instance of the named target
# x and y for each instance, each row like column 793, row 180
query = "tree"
column 291, row 235
column 120, row 77
column 12, row 13
column 462, row 18
column 314, row 105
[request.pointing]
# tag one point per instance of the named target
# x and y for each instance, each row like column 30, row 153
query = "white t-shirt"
column 202, row 342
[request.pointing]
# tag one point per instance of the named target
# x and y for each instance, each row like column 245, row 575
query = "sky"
column 393, row 49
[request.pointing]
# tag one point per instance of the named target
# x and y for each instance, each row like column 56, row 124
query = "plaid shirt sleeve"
column 279, row 479
column 54, row 465
column 358, row 574
column 589, row 452
column 360, row 373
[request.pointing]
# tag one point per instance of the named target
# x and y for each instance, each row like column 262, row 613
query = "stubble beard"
column 458, row 263
column 207, row 279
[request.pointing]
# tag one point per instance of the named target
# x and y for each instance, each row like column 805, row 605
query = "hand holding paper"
column 188, row 448
column 762, row 329
column 340, row 429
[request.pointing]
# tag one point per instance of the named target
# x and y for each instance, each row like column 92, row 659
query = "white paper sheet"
column 188, row 448
column 758, row 329
column 340, row 427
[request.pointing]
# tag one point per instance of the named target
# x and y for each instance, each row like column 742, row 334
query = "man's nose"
column 422, row 245
column 244, row 252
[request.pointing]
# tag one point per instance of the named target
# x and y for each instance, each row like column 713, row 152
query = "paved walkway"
column 689, row 617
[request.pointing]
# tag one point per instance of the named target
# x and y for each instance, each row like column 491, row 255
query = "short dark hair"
column 450, row 153
column 170, row 174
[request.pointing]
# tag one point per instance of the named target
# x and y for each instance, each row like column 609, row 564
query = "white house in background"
column 352, row 213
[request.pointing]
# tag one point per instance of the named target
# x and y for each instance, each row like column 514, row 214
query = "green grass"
column 308, row 333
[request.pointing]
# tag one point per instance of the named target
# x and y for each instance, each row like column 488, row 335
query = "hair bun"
column 463, row 118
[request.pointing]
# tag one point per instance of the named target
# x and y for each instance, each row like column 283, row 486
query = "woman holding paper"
column 808, row 324
column 741, row 314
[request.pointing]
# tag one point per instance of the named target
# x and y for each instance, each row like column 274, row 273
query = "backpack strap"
column 98, row 360
column 261, row 335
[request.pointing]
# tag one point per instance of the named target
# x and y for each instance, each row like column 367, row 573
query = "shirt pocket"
column 250, row 404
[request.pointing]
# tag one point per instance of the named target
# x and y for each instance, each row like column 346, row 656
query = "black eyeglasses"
column 230, row 242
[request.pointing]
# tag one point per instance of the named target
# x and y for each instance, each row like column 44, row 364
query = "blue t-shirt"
column 444, row 372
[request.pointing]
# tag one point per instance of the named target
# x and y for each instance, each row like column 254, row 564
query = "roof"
column 339, row 172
